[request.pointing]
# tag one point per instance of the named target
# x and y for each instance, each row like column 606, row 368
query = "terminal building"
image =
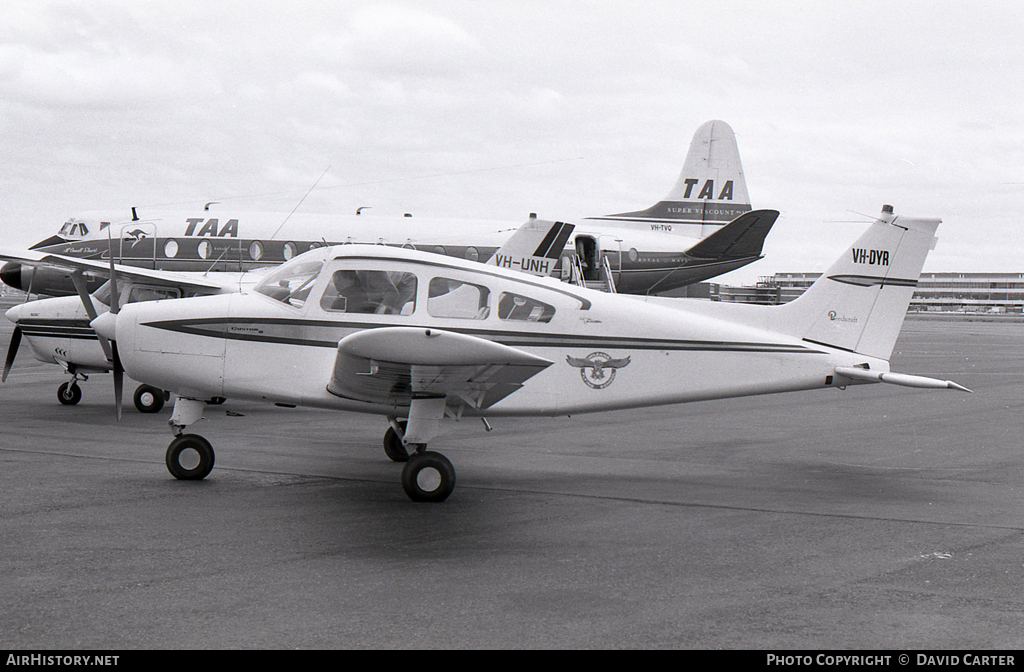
column 983, row 293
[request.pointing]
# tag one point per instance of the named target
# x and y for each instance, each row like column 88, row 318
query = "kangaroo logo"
column 598, row 369
column 135, row 235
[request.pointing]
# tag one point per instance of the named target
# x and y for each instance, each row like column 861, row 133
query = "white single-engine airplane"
column 417, row 337
column 58, row 332
column 703, row 228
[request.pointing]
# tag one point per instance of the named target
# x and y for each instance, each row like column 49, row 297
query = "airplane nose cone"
column 10, row 275
column 14, row 314
column 106, row 326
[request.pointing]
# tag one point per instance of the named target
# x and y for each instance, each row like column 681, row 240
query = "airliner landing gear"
column 428, row 477
column 148, row 399
column 69, row 393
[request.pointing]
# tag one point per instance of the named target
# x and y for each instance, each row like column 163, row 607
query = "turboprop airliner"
column 703, row 228
column 417, row 338
column 57, row 329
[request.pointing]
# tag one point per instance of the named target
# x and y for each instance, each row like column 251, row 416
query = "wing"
column 101, row 269
column 616, row 363
column 392, row 365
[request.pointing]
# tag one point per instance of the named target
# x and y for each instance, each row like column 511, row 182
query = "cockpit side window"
column 370, row 292
column 454, row 298
column 523, row 308
column 140, row 293
column 292, row 282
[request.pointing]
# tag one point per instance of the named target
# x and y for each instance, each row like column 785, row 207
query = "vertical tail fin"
column 860, row 302
column 711, row 190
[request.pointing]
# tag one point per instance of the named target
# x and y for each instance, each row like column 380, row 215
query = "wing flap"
column 392, row 365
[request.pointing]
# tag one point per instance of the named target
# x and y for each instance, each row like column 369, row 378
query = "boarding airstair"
column 605, row 281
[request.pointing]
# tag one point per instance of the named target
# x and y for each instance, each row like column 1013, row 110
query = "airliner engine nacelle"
column 49, row 281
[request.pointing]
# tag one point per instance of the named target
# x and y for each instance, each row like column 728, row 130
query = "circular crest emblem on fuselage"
column 597, row 370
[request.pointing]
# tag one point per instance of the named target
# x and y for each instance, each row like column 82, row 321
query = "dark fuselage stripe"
column 54, row 328
column 253, row 330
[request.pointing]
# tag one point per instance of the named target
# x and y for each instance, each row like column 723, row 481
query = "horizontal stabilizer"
column 742, row 237
column 904, row 379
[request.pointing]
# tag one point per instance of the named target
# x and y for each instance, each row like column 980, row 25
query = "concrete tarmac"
column 878, row 517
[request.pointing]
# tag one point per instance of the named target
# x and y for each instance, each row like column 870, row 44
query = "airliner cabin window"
column 455, row 298
column 370, row 292
column 516, row 307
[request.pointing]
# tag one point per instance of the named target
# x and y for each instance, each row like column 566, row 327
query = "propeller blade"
column 118, row 379
column 114, row 296
column 12, row 352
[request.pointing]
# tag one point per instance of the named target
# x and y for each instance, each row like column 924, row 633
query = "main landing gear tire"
column 69, row 394
column 148, row 399
column 393, row 446
column 190, row 457
column 428, row 477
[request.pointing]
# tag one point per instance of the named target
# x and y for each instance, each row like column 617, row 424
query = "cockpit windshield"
column 103, row 294
column 74, row 229
column 291, row 283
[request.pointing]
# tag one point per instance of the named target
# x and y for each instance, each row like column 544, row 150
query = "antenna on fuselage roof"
column 300, row 202
column 206, row 207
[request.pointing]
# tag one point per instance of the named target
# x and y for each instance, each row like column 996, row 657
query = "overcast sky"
column 497, row 109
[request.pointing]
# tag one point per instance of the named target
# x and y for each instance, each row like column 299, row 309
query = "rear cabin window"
column 523, row 308
column 454, row 298
column 370, row 292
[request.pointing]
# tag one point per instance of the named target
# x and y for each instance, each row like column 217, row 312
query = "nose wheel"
column 69, row 393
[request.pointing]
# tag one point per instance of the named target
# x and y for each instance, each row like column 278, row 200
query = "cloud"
column 835, row 109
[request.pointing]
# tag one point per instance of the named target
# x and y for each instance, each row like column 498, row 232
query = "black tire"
column 193, row 446
column 393, row 446
column 69, row 394
column 148, row 399
column 428, row 477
